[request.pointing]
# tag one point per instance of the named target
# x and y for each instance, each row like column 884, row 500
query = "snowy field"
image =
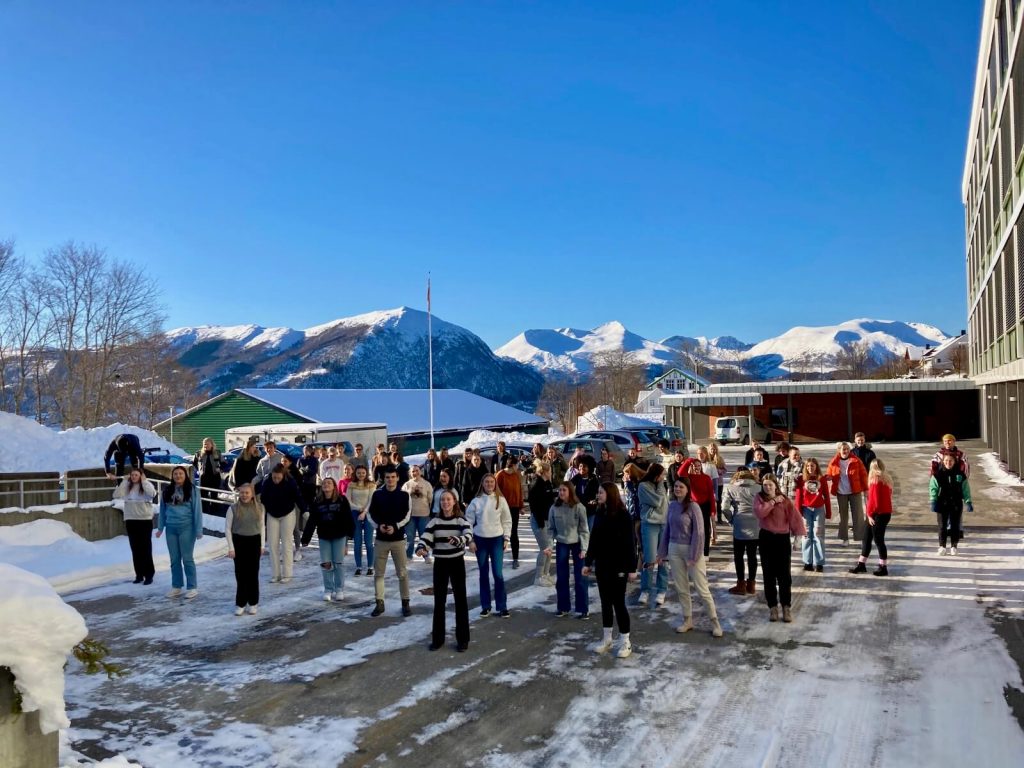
column 902, row 671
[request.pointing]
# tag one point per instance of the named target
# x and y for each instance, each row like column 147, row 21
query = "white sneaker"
column 191, row 594
column 644, row 599
column 625, row 649
column 327, row 597
column 239, row 611
column 338, row 596
column 660, row 599
column 286, row 580
column 606, row 643
column 176, row 592
column 297, row 557
column 252, row 610
column 716, row 628
column 953, row 552
column 941, row 551
column 949, row 551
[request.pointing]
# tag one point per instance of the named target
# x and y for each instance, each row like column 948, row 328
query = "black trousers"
column 748, row 547
column 247, row 570
column 450, row 570
column 776, row 551
column 140, row 538
column 705, row 511
column 875, row 533
column 612, row 589
column 514, row 541
column 949, row 524
column 210, row 507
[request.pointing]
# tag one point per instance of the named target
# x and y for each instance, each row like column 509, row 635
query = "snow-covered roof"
column 713, row 399
column 405, row 411
column 845, row 385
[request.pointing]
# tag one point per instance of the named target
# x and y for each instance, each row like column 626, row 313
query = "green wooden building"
column 405, row 411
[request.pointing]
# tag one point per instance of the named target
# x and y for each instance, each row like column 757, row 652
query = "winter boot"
column 773, row 614
column 882, row 570
column 378, row 608
column 859, row 568
column 686, row 626
column 739, row 589
column 406, row 608
column 751, row 587
column 716, row 628
column 606, row 641
column 787, row 614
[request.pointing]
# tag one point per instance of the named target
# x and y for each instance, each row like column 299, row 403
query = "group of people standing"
column 654, row 524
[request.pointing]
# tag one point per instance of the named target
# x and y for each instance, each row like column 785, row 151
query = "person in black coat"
column 331, row 517
column 472, row 476
column 207, row 463
column 612, row 551
column 863, row 451
column 125, row 449
column 586, row 487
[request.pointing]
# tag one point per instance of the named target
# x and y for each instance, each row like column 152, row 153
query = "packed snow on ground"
column 31, row 447
column 39, row 631
column 52, row 550
column 481, row 438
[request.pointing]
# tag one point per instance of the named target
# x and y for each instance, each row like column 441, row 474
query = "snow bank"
column 31, row 447
column 53, row 551
column 997, row 470
column 39, row 632
column 606, row 417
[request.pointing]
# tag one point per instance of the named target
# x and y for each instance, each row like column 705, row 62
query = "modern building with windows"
column 994, row 218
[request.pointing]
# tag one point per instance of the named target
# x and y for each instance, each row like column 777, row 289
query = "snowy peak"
column 568, row 350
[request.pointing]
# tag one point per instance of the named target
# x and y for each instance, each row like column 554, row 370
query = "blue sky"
column 685, row 168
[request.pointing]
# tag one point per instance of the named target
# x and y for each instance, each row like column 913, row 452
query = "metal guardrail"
column 71, row 490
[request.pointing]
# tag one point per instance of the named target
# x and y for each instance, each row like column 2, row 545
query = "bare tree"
column 958, row 359
column 557, row 401
column 96, row 308
column 616, row 379
column 854, row 361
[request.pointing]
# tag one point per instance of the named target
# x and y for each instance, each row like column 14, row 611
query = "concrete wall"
column 93, row 524
column 22, row 744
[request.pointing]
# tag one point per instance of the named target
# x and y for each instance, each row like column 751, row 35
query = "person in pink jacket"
column 779, row 519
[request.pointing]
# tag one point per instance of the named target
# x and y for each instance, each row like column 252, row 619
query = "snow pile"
column 606, row 417
column 31, row 447
column 52, row 550
column 39, row 632
column 997, row 470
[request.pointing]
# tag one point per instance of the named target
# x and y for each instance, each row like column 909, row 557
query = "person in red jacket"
column 879, row 513
column 813, row 502
column 702, row 491
column 849, row 479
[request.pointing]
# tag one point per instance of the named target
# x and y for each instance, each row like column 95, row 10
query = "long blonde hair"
column 878, row 474
column 716, row 457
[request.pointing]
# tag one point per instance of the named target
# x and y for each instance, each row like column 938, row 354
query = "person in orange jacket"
column 848, row 479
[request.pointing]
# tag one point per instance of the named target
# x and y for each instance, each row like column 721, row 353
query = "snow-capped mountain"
column 569, row 350
column 377, row 350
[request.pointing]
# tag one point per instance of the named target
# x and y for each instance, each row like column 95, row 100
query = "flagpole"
column 430, row 363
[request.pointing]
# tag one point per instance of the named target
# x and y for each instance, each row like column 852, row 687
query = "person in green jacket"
column 949, row 492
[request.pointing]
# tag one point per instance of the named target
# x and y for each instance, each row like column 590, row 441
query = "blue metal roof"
column 405, row 411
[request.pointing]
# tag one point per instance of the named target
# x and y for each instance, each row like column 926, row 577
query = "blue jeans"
column 364, row 533
column 813, row 551
column 417, row 525
column 562, row 554
column 333, row 551
column 180, row 545
column 650, row 538
column 491, row 550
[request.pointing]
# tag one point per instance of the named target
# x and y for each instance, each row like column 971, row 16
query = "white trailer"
column 346, row 433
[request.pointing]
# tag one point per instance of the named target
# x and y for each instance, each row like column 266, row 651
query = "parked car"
column 736, row 429
column 675, row 436
column 163, row 456
column 592, row 447
column 522, row 451
column 227, row 459
column 626, row 439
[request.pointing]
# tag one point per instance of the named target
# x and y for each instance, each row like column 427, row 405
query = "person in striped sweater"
column 448, row 535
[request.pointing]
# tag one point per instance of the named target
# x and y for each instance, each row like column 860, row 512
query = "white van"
column 370, row 435
column 736, row 429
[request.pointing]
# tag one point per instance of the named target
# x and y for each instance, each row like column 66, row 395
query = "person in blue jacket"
column 181, row 517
